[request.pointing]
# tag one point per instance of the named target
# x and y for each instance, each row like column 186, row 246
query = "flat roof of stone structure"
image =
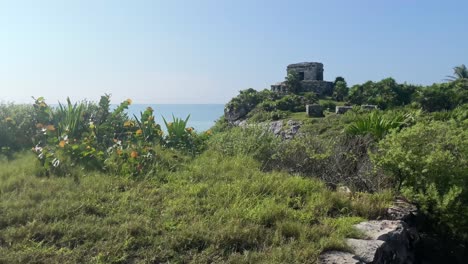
column 304, row 64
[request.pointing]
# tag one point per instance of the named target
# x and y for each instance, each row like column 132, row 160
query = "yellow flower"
column 134, row 154
column 50, row 128
column 62, row 144
column 129, row 101
column 139, row 132
column 42, row 104
column 208, row 132
column 128, row 124
column 189, row 129
column 9, row 119
column 88, row 147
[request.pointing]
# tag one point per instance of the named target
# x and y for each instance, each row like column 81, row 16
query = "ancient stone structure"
column 342, row 109
column 314, row 110
column 310, row 76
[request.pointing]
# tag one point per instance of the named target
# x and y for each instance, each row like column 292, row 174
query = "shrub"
column 340, row 91
column 328, row 105
column 377, row 124
column 386, row 93
column 109, row 141
column 16, row 128
column 291, row 102
column 428, row 161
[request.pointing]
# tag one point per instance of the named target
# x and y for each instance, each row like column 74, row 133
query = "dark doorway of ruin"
column 301, row 76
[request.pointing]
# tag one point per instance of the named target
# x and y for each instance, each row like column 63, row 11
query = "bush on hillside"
column 385, row 93
column 16, row 128
column 429, row 163
column 444, row 96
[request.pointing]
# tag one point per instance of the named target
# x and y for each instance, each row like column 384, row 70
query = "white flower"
column 56, row 162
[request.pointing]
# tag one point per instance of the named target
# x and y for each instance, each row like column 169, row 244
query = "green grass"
column 216, row 210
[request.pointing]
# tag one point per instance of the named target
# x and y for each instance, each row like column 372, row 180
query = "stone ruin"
column 311, row 79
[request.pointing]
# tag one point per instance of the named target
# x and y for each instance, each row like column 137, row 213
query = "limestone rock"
column 342, row 109
column 402, row 210
column 338, row 257
column 369, row 107
column 380, row 229
column 287, row 131
column 364, row 249
column 235, row 113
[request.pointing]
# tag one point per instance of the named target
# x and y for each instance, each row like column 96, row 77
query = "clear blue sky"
column 206, row 51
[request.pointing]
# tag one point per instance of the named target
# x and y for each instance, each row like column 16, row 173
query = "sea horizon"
column 202, row 116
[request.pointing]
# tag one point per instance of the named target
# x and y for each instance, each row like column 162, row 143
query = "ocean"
column 202, row 116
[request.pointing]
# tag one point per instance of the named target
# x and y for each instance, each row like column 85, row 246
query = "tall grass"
column 215, row 210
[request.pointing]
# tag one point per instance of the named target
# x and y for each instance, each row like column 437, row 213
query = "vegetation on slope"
column 214, row 210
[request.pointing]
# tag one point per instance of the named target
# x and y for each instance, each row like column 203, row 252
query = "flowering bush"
column 91, row 136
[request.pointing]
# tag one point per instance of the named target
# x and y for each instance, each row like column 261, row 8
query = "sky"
column 205, row 51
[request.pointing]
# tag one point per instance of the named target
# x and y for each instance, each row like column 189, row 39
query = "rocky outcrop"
column 287, row 131
column 233, row 114
column 384, row 241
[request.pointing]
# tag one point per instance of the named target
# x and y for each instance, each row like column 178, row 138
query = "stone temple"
column 311, row 79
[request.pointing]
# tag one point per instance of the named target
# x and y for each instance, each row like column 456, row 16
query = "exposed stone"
column 232, row 114
column 379, row 229
column 364, row 249
column 384, row 242
column 285, row 132
column 338, row 257
column 314, row 110
column 369, row 107
column 402, row 210
column 342, row 109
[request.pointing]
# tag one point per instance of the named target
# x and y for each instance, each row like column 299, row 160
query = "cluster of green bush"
column 92, row 136
column 16, row 128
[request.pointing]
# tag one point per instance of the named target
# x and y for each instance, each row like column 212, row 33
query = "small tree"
column 340, row 92
column 292, row 82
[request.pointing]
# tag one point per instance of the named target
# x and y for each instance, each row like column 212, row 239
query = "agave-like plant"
column 177, row 129
column 69, row 118
column 376, row 124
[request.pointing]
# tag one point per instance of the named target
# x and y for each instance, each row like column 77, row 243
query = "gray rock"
column 232, row 114
column 402, row 210
column 364, row 249
column 314, row 110
column 338, row 257
column 380, row 229
column 287, row 131
column 369, row 107
column 276, row 127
